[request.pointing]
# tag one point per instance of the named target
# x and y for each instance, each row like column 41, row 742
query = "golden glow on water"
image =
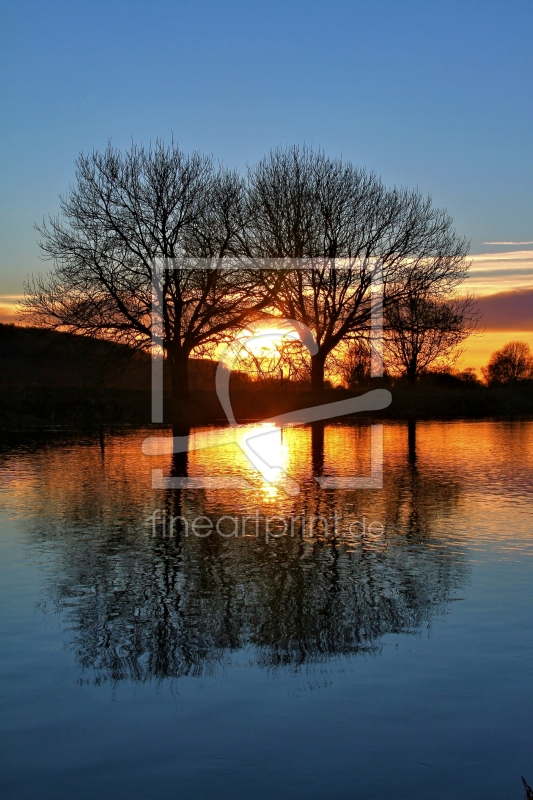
column 479, row 474
column 264, row 447
column 260, row 454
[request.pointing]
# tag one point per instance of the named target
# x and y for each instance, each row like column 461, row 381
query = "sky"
column 434, row 95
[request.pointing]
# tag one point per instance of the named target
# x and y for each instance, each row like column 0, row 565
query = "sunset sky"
column 430, row 95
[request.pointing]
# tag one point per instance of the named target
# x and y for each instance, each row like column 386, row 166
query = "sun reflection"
column 266, row 451
column 259, row 452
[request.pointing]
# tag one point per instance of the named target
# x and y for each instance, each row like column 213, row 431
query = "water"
column 382, row 648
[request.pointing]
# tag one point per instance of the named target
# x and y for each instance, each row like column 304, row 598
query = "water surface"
column 207, row 643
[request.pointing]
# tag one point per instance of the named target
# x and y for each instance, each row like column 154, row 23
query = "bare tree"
column 424, row 330
column 353, row 362
column 510, row 365
column 125, row 214
column 339, row 220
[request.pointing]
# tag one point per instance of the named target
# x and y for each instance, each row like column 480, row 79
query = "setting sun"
column 266, row 339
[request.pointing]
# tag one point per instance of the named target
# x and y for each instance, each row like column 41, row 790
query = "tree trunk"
column 178, row 363
column 317, row 372
column 178, row 360
column 411, row 371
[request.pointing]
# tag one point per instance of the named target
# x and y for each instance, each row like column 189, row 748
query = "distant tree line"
column 128, row 210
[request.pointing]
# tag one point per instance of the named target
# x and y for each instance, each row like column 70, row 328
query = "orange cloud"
column 7, row 312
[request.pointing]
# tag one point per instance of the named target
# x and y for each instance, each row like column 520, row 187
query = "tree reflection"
column 137, row 606
column 317, row 446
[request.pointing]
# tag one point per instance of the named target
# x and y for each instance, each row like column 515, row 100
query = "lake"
column 258, row 633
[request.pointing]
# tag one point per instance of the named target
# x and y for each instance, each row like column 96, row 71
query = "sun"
column 267, row 339
column 255, row 346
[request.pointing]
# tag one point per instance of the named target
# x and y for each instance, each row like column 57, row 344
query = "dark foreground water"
column 364, row 643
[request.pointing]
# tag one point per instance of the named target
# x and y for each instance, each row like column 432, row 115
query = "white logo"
column 250, row 442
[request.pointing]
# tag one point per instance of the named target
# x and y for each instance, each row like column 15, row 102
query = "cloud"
column 7, row 314
column 507, row 311
column 511, row 243
column 492, row 273
column 8, row 303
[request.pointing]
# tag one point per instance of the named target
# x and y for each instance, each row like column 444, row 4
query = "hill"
column 47, row 377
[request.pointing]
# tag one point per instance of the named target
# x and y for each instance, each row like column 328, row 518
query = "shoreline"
column 40, row 408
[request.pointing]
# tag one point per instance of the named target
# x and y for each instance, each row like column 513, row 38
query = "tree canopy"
column 341, row 222
column 511, row 364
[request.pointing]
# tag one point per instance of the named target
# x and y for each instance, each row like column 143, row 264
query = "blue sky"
column 430, row 94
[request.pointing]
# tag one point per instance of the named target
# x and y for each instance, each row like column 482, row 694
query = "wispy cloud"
column 8, row 303
column 500, row 272
column 510, row 243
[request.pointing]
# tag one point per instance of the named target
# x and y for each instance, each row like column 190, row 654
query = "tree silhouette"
column 338, row 221
column 126, row 215
column 423, row 330
column 512, row 364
